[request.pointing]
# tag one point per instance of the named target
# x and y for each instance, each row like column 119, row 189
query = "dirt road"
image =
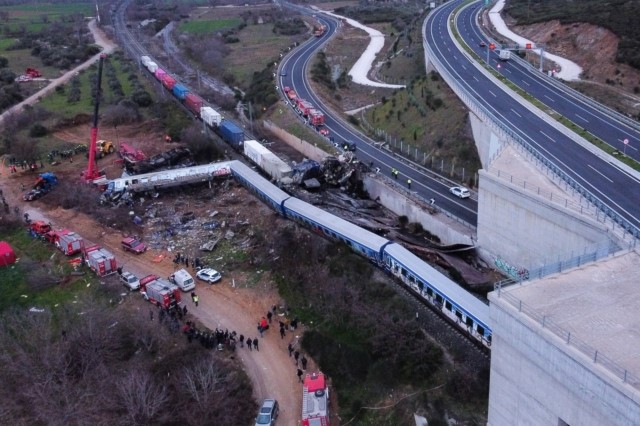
column 229, row 304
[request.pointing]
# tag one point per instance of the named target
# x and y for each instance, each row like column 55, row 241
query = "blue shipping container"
column 231, row 133
column 180, row 91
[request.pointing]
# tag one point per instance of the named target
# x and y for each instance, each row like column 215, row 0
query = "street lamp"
column 625, row 142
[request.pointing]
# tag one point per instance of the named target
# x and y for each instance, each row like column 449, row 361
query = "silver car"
column 460, row 191
column 130, row 281
column 209, row 275
column 268, row 413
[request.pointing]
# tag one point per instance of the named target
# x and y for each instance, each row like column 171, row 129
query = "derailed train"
column 464, row 309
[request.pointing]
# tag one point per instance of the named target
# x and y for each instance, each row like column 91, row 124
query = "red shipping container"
column 168, row 81
column 194, row 103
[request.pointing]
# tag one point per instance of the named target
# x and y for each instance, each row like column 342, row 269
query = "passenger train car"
column 465, row 310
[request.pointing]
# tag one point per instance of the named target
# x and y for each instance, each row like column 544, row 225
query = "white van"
column 183, row 279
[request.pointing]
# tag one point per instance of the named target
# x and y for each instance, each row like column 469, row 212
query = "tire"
column 111, row 149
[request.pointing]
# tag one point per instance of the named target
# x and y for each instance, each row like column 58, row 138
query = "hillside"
column 618, row 16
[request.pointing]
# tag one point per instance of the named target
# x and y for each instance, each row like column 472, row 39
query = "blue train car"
column 363, row 242
column 270, row 194
column 180, row 91
column 231, row 133
column 455, row 302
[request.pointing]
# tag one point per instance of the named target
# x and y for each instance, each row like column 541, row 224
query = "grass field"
column 31, row 15
column 205, row 27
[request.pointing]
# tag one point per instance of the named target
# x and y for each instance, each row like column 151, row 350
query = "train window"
column 403, row 272
column 459, row 315
column 480, row 330
column 447, row 305
column 438, row 298
column 412, row 279
column 469, row 321
column 429, row 292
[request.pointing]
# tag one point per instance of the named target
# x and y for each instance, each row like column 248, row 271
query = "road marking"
column 494, row 95
column 598, row 172
column 628, row 145
column 549, row 137
column 552, row 100
column 525, row 82
column 508, row 70
column 475, row 78
column 514, row 111
column 582, row 118
column 463, row 67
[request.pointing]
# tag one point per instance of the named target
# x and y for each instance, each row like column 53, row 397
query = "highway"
column 613, row 129
column 612, row 186
column 424, row 184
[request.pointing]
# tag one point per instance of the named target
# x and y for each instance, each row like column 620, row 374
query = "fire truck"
column 66, row 241
column 101, row 261
column 315, row 400
column 160, row 292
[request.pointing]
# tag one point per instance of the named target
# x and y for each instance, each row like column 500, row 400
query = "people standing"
column 194, row 298
column 255, row 344
column 299, row 375
column 249, row 342
column 241, row 339
column 296, row 355
column 290, row 348
column 303, row 361
column 269, row 316
column 282, row 332
column 184, row 310
column 151, row 314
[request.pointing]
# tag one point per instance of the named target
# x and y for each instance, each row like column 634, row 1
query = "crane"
column 92, row 173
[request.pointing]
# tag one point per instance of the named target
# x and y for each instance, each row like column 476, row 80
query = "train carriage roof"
column 460, row 297
column 336, row 224
column 273, row 192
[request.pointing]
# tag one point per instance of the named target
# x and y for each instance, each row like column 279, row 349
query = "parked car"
column 133, row 245
column 482, row 44
column 209, row 275
column 460, row 192
column 268, row 413
column 183, row 279
column 130, row 281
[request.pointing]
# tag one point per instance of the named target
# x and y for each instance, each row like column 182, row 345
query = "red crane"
column 92, row 173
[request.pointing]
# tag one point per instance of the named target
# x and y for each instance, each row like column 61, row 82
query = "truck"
column 504, row 55
column 319, row 29
column 100, row 260
column 231, row 133
column 315, row 400
column 193, row 103
column 304, row 107
column 68, row 242
column 316, row 118
column 38, row 228
column 44, row 184
column 270, row 163
column 104, row 147
column 291, row 94
column 160, row 292
column 210, row 116
column 33, row 73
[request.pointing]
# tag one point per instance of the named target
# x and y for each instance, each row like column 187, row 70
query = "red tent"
column 7, row 255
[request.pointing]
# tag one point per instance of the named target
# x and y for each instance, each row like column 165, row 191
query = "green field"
column 33, row 16
column 205, row 27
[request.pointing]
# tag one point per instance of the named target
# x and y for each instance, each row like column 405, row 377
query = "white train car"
column 270, row 163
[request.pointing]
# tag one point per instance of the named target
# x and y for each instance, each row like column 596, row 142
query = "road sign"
column 625, row 142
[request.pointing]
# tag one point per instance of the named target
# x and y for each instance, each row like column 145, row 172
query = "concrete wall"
column 536, row 379
column 487, row 143
column 449, row 231
column 307, row 149
column 527, row 230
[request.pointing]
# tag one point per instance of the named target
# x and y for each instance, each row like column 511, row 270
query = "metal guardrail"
column 505, row 132
column 593, row 354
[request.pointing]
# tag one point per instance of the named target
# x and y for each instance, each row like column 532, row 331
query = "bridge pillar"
column 487, row 142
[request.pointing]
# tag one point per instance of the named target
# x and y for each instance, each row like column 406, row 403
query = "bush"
column 38, row 131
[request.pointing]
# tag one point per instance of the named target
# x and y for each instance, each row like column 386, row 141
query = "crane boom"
column 92, row 172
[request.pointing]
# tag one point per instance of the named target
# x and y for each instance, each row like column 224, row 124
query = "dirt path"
column 271, row 370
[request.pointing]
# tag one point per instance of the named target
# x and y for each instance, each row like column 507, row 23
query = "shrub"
column 38, row 131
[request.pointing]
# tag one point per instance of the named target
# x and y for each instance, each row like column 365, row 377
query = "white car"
column 209, row 275
column 460, row 191
column 130, row 281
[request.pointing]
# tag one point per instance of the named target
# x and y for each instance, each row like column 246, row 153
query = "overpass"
column 546, row 197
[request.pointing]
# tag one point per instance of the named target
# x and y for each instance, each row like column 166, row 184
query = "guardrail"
column 547, row 323
column 506, row 133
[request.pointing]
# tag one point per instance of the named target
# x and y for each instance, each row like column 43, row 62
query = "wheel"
column 111, row 149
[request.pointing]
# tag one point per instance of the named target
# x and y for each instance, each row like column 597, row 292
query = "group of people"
column 181, row 259
column 216, row 339
column 24, row 165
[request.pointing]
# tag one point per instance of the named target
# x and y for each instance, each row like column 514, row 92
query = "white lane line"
column 628, row 145
column 582, row 118
column 494, row 95
column 525, row 82
column 508, row 70
column 463, row 67
column 548, row 137
column 552, row 100
column 514, row 111
column 475, row 78
column 598, row 172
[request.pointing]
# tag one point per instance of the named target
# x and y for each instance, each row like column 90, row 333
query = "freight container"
column 231, row 133
column 266, row 160
column 168, row 82
column 145, row 60
column 180, row 91
column 152, row 67
column 210, row 116
column 194, row 103
column 160, row 73
column 100, row 260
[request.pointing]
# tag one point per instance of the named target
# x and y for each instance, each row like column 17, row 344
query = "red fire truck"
column 315, row 400
column 101, row 261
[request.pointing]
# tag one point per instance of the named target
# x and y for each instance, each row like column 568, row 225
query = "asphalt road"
column 425, row 185
column 614, row 187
